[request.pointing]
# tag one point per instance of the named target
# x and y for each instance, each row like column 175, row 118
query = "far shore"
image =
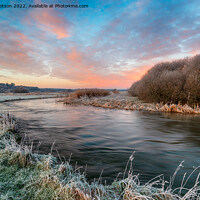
column 6, row 97
column 30, row 93
column 125, row 102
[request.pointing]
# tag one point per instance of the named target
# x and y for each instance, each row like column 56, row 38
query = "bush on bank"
column 170, row 82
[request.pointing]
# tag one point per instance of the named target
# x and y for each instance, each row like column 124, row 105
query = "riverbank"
column 5, row 97
column 125, row 102
column 27, row 175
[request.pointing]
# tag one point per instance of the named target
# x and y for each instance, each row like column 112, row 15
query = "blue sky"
column 110, row 44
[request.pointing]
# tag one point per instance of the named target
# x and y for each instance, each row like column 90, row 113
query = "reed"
column 90, row 93
column 115, row 91
column 132, row 103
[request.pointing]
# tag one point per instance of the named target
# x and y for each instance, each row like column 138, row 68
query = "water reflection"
column 104, row 139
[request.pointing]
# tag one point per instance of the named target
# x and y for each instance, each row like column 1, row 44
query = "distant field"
column 11, row 97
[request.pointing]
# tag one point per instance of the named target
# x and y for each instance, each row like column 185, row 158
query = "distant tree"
column 12, row 84
column 21, row 89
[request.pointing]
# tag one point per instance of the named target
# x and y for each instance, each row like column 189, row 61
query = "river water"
column 104, row 139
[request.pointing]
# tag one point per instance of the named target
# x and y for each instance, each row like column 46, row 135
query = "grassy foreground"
column 25, row 175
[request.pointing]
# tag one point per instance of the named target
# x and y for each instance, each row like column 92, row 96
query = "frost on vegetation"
column 7, row 122
column 25, row 175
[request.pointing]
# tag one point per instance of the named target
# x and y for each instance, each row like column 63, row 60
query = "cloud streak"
column 51, row 22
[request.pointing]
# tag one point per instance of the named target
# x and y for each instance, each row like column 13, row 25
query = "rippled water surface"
column 104, row 139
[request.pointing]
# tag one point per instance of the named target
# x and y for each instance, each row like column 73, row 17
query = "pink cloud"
column 16, row 53
column 23, row 38
column 52, row 22
column 74, row 56
column 77, row 67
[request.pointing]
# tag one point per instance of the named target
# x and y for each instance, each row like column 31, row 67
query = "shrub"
column 21, row 90
column 133, row 90
column 170, row 82
column 115, row 91
column 90, row 93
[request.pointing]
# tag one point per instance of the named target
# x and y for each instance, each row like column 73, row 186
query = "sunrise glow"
column 110, row 44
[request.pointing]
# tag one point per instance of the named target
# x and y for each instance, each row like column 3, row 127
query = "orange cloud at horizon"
column 73, row 68
column 109, row 81
column 138, row 73
column 78, row 69
column 80, row 73
column 42, row 81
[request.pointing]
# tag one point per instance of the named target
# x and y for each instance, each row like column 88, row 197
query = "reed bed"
column 27, row 175
column 90, row 93
column 125, row 102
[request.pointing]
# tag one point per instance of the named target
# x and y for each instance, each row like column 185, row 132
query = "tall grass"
column 90, row 93
column 170, row 82
column 25, row 175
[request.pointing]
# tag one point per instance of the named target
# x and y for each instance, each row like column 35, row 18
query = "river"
column 104, row 139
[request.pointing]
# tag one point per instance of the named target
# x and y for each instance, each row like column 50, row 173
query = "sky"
column 110, row 44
